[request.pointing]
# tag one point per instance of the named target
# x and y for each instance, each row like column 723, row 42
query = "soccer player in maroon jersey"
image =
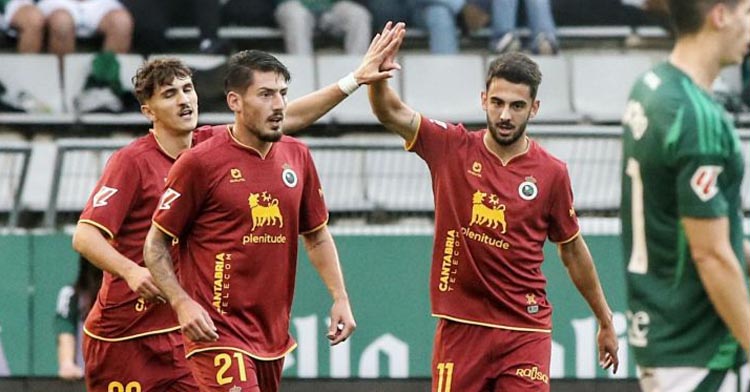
column 498, row 196
column 237, row 205
column 132, row 339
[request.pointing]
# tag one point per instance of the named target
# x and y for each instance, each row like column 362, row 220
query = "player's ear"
column 146, row 110
column 483, row 97
column 718, row 16
column 234, row 101
column 534, row 108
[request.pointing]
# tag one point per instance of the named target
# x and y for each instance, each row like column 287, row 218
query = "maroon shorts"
column 223, row 369
column 474, row 358
column 154, row 363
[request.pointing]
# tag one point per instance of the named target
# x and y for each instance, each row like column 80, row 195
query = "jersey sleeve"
column 433, row 139
column 563, row 220
column 66, row 311
column 183, row 195
column 114, row 194
column 698, row 149
column 313, row 211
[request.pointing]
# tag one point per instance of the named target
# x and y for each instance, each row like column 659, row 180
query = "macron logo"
column 168, row 198
column 101, row 197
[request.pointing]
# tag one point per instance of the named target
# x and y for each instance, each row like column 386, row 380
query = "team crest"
column 289, row 176
column 528, row 189
column 264, row 210
column 531, row 306
column 487, row 216
column 704, row 181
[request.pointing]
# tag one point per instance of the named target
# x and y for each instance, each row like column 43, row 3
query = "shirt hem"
column 409, row 144
column 576, row 235
column 130, row 337
column 316, row 228
column 490, row 325
column 249, row 354
column 160, row 227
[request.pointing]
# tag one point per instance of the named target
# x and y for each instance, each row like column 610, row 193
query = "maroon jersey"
column 121, row 205
column 237, row 216
column 491, row 222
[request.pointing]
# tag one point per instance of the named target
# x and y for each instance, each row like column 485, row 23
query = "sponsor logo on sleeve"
column 704, row 181
column 440, row 124
column 169, row 197
column 103, row 195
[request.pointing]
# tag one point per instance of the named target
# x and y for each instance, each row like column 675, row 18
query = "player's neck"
column 699, row 58
column 506, row 152
column 249, row 139
column 172, row 142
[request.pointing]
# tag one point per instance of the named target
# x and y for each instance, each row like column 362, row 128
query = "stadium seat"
column 445, row 88
column 33, row 80
column 77, row 67
column 593, row 165
column 355, row 109
column 398, row 181
column 554, row 92
column 602, row 82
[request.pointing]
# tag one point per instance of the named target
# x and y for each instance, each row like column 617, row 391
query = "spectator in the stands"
column 69, row 19
column 440, row 18
column 504, row 20
column 22, row 19
column 300, row 19
column 152, row 19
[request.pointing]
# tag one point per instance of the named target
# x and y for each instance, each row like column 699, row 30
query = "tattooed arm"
column 195, row 321
column 392, row 112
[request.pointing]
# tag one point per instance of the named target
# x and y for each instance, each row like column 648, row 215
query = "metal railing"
column 14, row 165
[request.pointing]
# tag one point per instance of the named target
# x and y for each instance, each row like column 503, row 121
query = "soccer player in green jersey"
column 689, row 310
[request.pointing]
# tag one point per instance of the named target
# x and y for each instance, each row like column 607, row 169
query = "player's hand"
column 70, row 372
column 195, row 322
column 380, row 59
column 141, row 282
column 607, row 341
column 342, row 322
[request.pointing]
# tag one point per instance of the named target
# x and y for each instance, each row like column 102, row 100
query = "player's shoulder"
column 292, row 144
column 545, row 157
column 136, row 150
column 206, row 132
column 216, row 140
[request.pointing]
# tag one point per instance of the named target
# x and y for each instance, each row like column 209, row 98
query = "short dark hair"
column 155, row 73
column 687, row 16
column 516, row 68
column 243, row 64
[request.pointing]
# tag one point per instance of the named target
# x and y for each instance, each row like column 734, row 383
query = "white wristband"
column 348, row 84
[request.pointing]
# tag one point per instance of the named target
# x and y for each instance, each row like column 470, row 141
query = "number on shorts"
column 116, row 386
column 445, row 376
column 223, row 361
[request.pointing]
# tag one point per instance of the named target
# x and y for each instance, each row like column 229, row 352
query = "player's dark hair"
column 155, row 73
column 516, row 68
column 687, row 16
column 242, row 65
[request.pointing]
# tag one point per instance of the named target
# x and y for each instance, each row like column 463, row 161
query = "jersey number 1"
column 638, row 255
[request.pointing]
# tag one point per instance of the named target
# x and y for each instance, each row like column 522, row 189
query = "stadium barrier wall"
column 387, row 280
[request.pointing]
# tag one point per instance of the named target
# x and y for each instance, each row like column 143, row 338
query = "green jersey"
column 681, row 158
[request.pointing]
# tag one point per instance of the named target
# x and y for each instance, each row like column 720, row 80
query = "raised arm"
column 377, row 64
column 392, row 112
column 580, row 265
column 720, row 273
column 89, row 241
column 323, row 256
column 195, row 321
